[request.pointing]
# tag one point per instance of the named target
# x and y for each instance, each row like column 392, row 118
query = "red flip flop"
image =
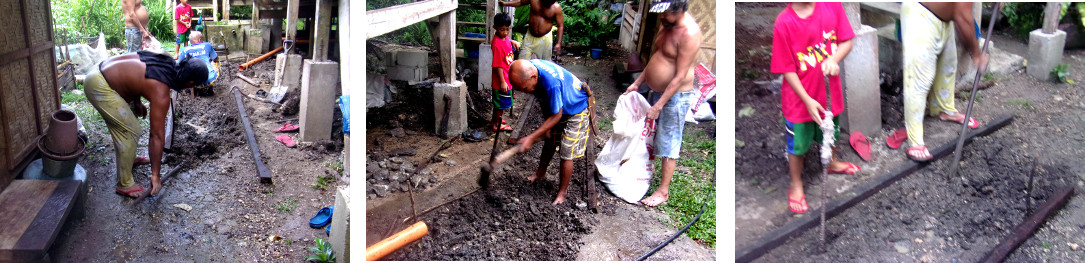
column 504, row 128
column 897, row 138
column 286, row 140
column 129, row 192
column 972, row 123
column 801, row 202
column 861, row 145
column 851, row 170
column 141, row 160
column 287, row 127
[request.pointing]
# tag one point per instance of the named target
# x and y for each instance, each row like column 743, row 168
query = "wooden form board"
column 32, row 212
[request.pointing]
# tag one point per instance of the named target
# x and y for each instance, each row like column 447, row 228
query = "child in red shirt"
column 809, row 40
column 502, row 48
column 183, row 15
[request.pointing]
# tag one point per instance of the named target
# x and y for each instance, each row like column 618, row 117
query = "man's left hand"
column 525, row 143
column 653, row 112
column 557, row 49
column 139, row 110
column 830, row 68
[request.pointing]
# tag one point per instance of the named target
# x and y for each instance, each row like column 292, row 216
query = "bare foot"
column 656, row 199
column 134, row 190
column 559, row 200
column 536, row 176
column 156, row 185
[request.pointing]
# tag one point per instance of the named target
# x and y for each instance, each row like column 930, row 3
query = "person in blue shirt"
column 203, row 51
column 566, row 104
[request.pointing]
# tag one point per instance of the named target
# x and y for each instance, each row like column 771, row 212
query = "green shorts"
column 801, row 135
column 182, row 38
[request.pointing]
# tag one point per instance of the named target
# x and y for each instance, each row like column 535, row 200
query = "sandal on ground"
column 801, row 202
column 504, row 128
column 972, row 124
column 851, row 170
column 286, row 140
column 919, row 154
column 474, row 136
column 134, row 192
column 287, row 127
column 322, row 218
column 861, row 145
column 897, row 138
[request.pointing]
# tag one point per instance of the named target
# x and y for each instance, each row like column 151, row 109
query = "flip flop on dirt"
column 972, row 124
column 504, row 128
column 474, row 136
column 654, row 200
column 851, row 170
column 801, row 202
column 861, row 145
column 133, row 191
column 897, row 138
column 141, row 160
column 919, row 154
column 322, row 217
column 287, row 127
column 286, row 140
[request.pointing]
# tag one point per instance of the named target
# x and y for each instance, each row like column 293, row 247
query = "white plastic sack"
column 624, row 165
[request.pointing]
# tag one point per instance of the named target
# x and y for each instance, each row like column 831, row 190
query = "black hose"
column 680, row 232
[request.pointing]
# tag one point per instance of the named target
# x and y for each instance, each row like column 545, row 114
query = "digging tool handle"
column 504, row 156
column 968, row 111
column 164, row 179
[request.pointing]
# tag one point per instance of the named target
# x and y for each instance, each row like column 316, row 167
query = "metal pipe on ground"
column 859, row 193
column 394, row 242
column 261, row 168
column 258, row 59
column 1024, row 230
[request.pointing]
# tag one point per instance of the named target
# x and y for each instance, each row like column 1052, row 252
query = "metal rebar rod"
column 975, row 83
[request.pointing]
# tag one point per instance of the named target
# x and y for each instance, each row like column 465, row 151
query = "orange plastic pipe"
column 394, row 242
column 261, row 58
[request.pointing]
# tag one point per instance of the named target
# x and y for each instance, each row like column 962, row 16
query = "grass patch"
column 1024, row 103
column 288, row 205
column 322, row 182
column 688, row 189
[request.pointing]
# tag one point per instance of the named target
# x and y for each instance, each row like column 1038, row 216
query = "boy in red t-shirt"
column 809, row 40
column 183, row 15
column 502, row 49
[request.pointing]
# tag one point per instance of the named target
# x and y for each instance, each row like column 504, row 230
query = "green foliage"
column 241, row 12
column 746, row 112
column 1062, row 73
column 288, row 205
column 690, row 190
column 589, row 22
column 86, row 18
column 323, row 250
column 1025, row 17
column 322, row 182
column 1024, row 103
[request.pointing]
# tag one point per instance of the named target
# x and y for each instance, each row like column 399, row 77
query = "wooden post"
column 491, row 5
column 443, row 35
column 292, row 20
column 1051, row 17
column 226, row 10
column 215, row 10
column 255, row 15
column 321, row 29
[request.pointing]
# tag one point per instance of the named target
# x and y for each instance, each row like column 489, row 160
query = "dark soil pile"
column 196, row 135
column 931, row 215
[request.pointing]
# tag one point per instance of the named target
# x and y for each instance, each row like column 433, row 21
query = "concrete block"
column 412, row 58
column 406, row 73
column 457, row 117
column 288, row 70
column 257, row 40
column 232, row 35
column 485, row 67
column 1044, row 52
column 320, row 82
column 862, row 94
column 340, row 232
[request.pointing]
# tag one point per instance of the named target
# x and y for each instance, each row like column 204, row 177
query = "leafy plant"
column 323, row 250
column 288, row 205
column 587, row 22
column 322, row 182
column 1062, row 73
column 86, row 18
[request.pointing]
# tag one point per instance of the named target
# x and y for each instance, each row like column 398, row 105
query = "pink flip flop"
column 861, row 145
column 897, row 138
column 287, row 127
column 286, row 140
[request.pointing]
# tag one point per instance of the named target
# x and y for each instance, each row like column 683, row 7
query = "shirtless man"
column 930, row 66
column 115, row 87
column 135, row 21
column 544, row 14
column 670, row 76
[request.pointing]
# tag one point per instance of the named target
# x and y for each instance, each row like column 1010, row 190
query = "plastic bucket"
column 595, row 53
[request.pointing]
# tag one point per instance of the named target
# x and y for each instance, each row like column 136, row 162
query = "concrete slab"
column 412, row 58
column 457, row 117
column 485, row 67
column 321, row 80
column 340, row 233
column 999, row 62
column 1044, row 52
column 406, row 73
column 288, row 70
column 861, row 84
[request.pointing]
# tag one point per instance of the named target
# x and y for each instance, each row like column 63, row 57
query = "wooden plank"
column 384, row 20
column 50, row 219
column 474, row 24
column 471, row 39
column 797, row 226
column 886, row 8
column 261, row 168
column 1024, row 230
column 19, row 205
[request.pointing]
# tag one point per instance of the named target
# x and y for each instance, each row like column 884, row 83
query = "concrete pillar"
column 321, row 30
column 1044, row 52
column 340, row 232
column 862, row 93
column 320, row 81
column 457, row 117
column 485, row 67
column 345, row 53
column 288, row 70
column 256, row 40
column 276, row 33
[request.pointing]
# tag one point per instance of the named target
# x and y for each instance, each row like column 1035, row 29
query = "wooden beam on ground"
column 1024, row 230
column 388, row 19
column 261, row 168
column 1051, row 17
column 797, row 226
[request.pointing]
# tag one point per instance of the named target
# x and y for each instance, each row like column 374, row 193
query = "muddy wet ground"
column 232, row 214
column 513, row 219
column 923, row 217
